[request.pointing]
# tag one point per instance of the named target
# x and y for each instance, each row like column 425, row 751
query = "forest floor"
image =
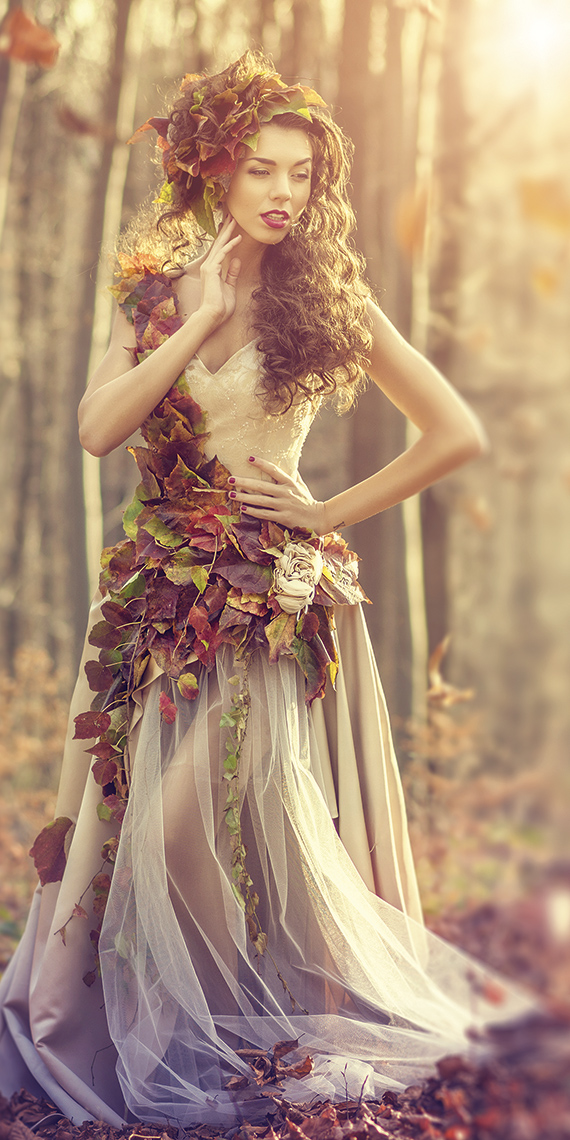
column 492, row 882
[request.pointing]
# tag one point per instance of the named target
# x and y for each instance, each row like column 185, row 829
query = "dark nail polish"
column 244, row 509
column 233, row 495
column 252, row 459
column 231, row 479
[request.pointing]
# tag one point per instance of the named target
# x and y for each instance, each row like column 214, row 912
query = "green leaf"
column 238, row 896
column 229, row 719
column 129, row 516
column 162, row 533
column 231, row 762
column 199, row 575
column 104, row 812
column 134, row 587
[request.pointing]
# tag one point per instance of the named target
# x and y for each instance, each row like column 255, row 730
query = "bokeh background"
column 460, row 113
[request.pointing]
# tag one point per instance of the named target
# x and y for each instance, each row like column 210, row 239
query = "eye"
column 259, row 170
column 302, row 176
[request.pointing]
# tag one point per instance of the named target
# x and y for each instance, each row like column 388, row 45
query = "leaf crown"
column 214, row 118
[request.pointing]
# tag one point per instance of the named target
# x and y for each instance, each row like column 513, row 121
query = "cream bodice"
column 238, row 424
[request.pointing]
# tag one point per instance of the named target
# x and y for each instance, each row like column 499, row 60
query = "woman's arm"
column 120, row 395
column 450, row 434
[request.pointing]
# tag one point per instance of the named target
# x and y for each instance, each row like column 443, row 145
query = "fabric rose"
column 296, row 576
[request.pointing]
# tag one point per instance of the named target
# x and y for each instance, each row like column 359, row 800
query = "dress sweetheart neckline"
column 226, row 362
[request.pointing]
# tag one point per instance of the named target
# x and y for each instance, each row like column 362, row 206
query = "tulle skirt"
column 350, row 972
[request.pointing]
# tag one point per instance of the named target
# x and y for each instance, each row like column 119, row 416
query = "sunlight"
column 536, row 33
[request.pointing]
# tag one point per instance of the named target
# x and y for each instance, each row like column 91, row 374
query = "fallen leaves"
column 519, row 1090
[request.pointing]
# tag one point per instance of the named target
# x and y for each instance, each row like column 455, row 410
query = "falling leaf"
column 22, row 39
column 168, row 710
column 48, row 851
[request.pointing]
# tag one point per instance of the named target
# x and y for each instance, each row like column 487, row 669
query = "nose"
column 281, row 190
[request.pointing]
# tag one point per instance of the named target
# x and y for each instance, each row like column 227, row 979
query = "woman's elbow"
column 470, row 443
column 91, row 440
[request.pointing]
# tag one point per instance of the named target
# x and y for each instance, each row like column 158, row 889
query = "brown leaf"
column 21, row 38
column 79, row 911
column 282, row 1048
column 48, row 850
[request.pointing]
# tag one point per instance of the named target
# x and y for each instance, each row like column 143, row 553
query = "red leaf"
column 104, row 771
column 99, row 676
column 21, row 38
column 167, row 708
column 89, row 978
column 48, row 851
column 104, row 750
column 91, row 724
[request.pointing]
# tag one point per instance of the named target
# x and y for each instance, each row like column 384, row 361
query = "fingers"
column 271, row 469
column 233, row 271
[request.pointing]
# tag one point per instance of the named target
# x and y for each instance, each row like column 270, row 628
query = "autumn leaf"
column 48, row 850
column 79, row 911
column 188, row 686
column 104, row 772
column 99, row 676
column 168, row 710
column 91, row 724
column 280, row 633
column 22, row 39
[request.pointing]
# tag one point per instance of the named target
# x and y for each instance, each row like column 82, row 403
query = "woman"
column 234, row 914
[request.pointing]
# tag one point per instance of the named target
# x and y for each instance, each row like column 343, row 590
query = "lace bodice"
column 238, row 424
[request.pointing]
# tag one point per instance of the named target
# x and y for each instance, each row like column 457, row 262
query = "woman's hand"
column 286, row 500
column 218, row 282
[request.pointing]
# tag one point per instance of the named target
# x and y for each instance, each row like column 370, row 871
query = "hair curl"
column 309, row 312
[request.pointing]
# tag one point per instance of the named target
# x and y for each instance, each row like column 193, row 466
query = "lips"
column 275, row 219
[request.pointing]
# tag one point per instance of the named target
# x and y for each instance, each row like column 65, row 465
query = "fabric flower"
column 296, row 576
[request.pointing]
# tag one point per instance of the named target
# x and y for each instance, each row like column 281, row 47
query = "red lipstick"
column 275, row 219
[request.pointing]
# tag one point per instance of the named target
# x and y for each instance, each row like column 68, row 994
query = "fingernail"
column 233, row 495
column 252, row 459
column 244, row 509
column 231, row 479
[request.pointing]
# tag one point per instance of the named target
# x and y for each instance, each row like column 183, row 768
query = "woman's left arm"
column 450, row 434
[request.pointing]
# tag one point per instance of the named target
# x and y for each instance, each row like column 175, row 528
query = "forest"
column 460, row 115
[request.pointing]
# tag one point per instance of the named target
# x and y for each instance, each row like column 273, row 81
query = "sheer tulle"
column 378, row 998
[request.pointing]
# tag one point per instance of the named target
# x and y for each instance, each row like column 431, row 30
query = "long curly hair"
column 309, row 311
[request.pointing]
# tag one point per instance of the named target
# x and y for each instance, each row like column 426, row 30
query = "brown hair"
column 310, row 309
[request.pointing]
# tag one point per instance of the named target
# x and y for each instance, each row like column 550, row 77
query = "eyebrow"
column 270, row 162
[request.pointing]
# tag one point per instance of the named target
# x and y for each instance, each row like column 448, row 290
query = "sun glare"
column 531, row 40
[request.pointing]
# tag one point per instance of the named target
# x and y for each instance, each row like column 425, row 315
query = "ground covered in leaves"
column 521, row 1093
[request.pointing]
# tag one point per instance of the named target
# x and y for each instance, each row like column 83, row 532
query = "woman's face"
column 271, row 185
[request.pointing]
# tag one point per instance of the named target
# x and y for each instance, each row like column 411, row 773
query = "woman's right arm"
column 120, row 394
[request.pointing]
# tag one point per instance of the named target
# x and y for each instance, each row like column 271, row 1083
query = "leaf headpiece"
column 204, row 166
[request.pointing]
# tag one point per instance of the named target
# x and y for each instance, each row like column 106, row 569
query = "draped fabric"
column 349, row 971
